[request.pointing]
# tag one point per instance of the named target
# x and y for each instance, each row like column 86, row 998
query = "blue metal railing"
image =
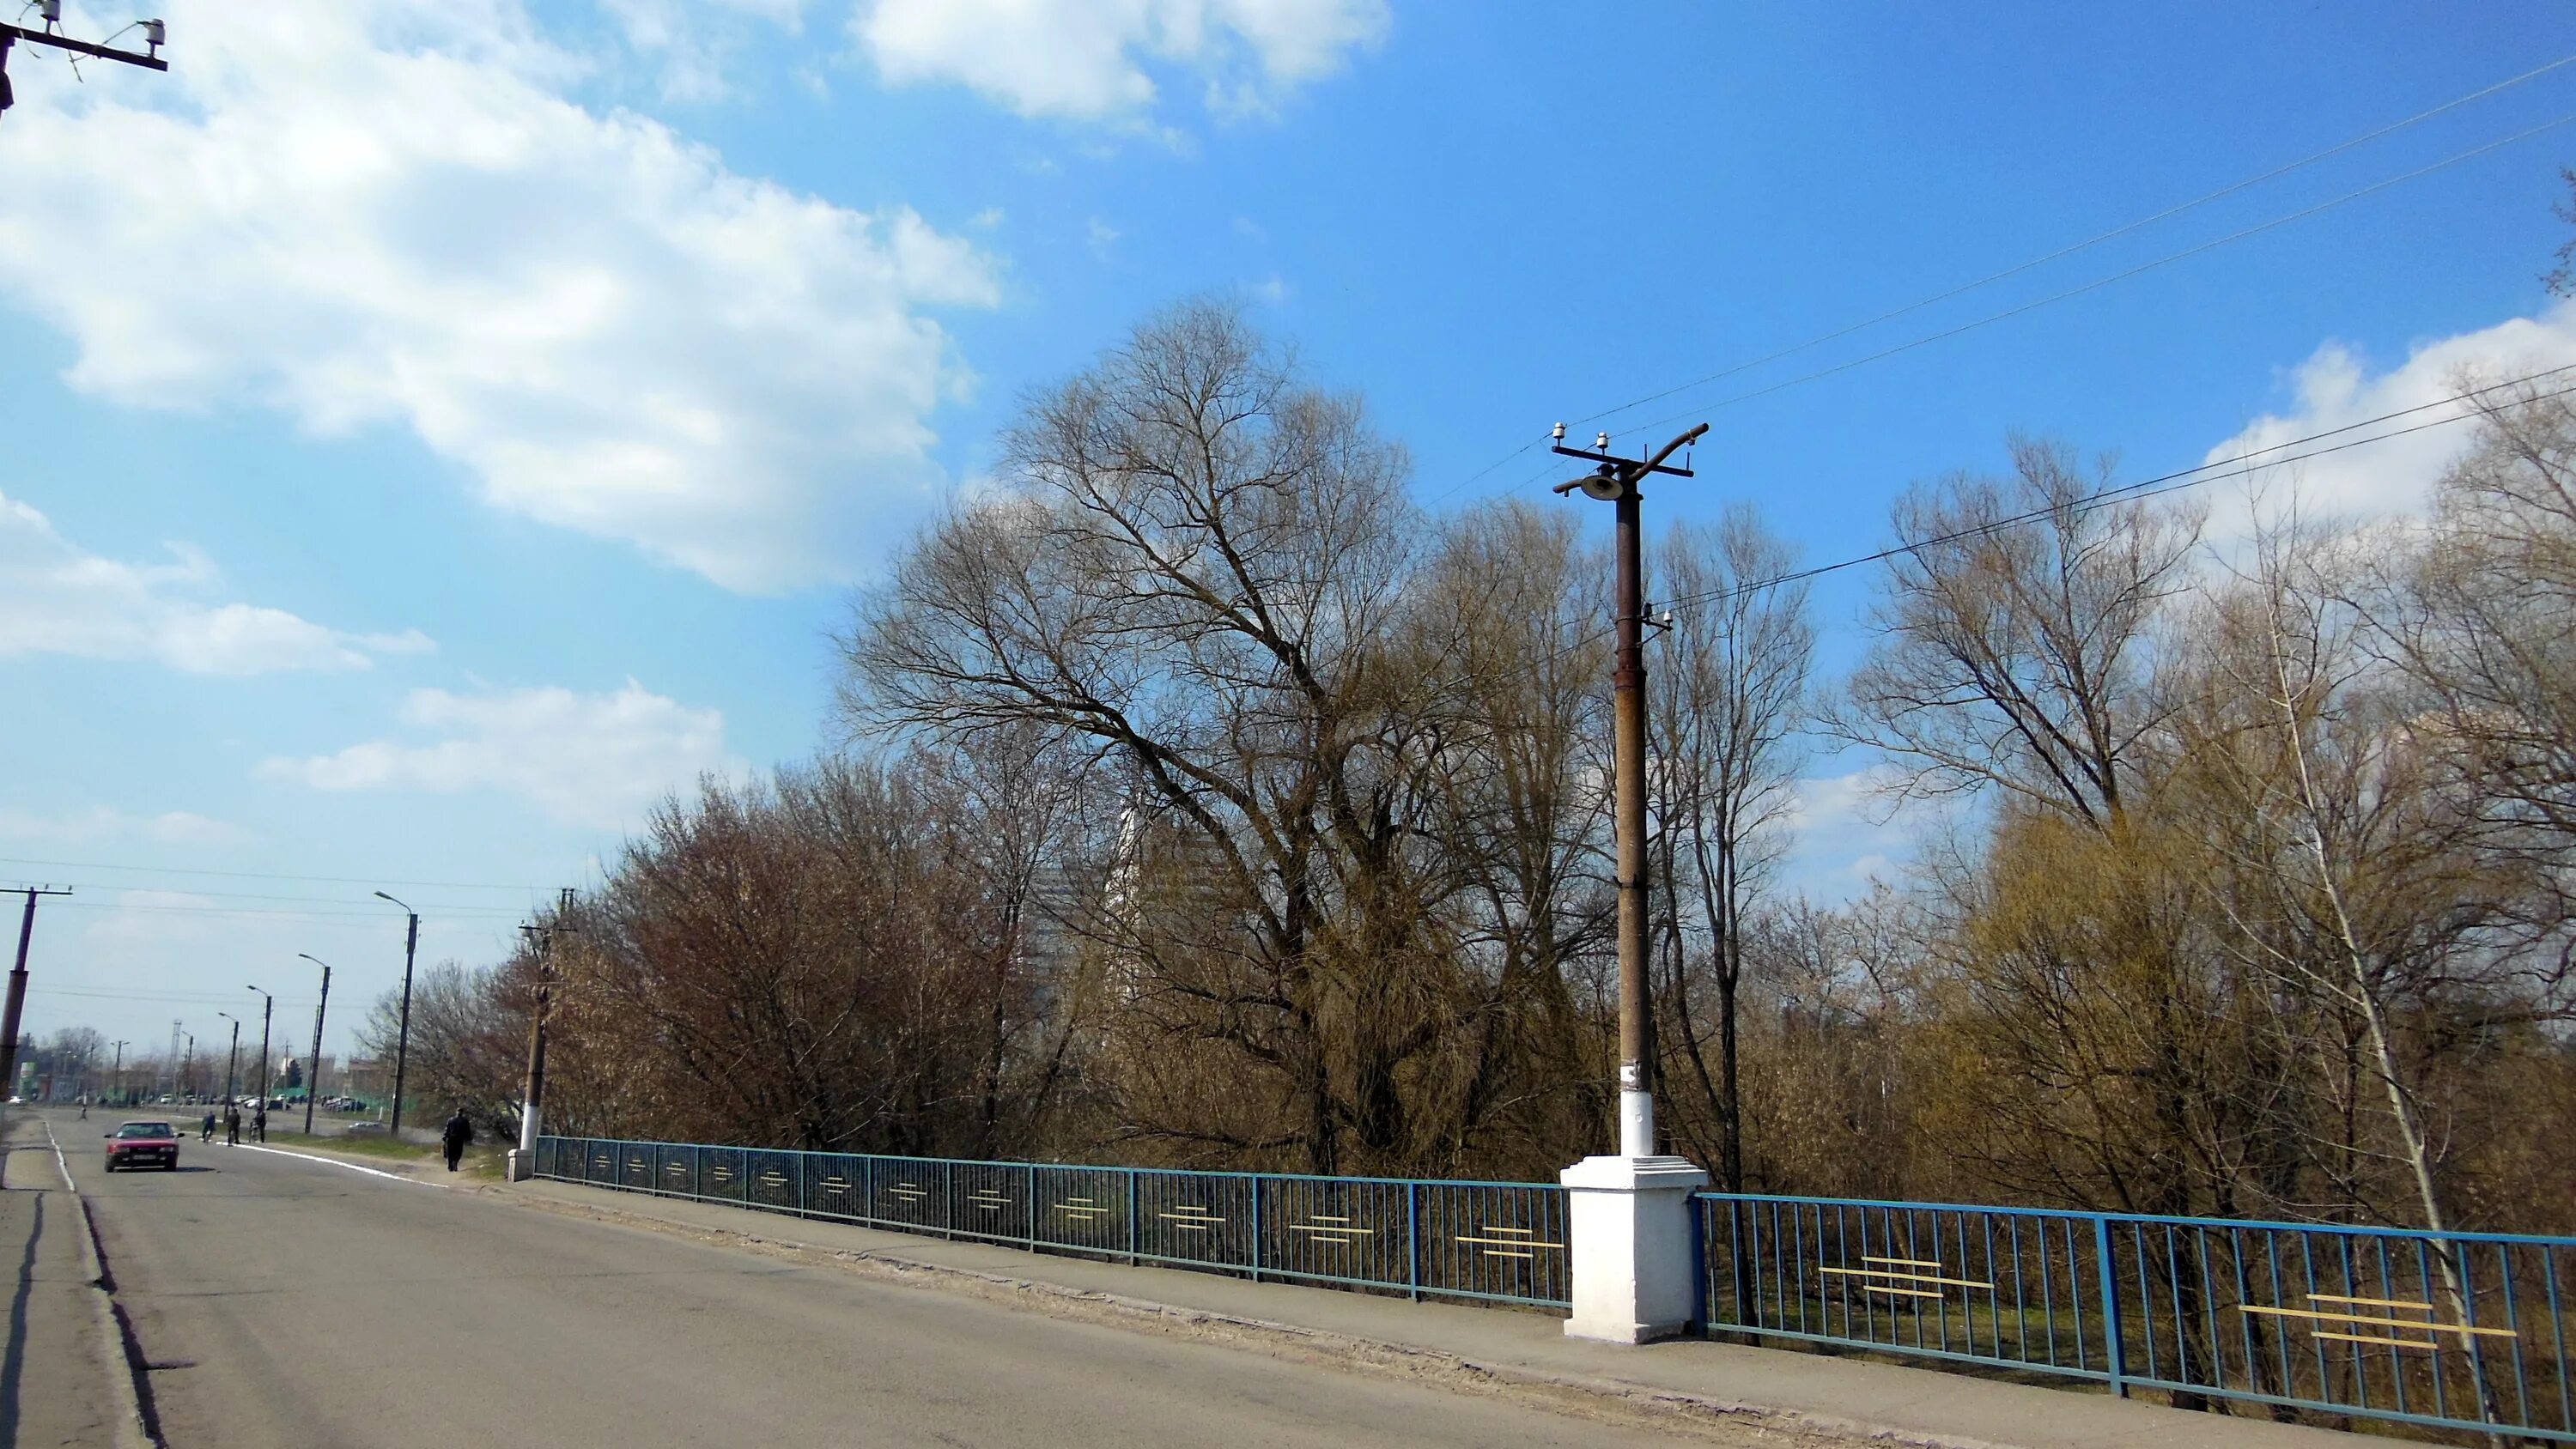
column 2456, row 1330
column 1492, row 1241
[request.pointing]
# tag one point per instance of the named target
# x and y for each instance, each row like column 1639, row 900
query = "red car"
column 138, row 1144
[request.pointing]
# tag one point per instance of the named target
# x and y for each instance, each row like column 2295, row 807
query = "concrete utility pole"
column 1629, row 1215
column 116, row 1073
column 187, row 1059
column 18, row 992
column 402, row 1033
column 267, row 1004
column 232, row 1055
column 313, row 1065
column 544, row 936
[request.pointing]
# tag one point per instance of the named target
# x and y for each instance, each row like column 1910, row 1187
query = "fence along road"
column 2464, row 1331
column 2318, row 1320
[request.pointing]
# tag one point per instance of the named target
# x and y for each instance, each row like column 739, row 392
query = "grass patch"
column 483, row 1159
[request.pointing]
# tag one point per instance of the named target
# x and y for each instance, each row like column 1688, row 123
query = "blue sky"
column 434, row 430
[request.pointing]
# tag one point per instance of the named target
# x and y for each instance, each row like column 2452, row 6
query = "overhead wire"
column 265, row 875
column 2098, row 283
column 2090, row 242
column 2059, row 254
column 2243, row 463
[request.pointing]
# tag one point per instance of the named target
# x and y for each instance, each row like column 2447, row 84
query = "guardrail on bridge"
column 2456, row 1331
column 1492, row 1241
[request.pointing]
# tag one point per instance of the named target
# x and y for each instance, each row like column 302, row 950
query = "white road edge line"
column 58, row 1156
column 336, row 1162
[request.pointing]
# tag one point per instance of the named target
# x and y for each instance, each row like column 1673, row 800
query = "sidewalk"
column 57, row 1382
column 1904, row 1405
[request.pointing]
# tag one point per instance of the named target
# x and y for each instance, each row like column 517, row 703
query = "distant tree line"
column 1206, row 800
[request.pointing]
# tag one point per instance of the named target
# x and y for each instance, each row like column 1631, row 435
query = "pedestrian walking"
column 206, row 1129
column 232, row 1126
column 457, row 1133
column 259, row 1121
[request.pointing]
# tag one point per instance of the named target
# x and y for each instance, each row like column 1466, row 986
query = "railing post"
column 1029, row 1206
column 1413, row 1240
column 2112, row 1348
column 1700, row 1286
column 948, row 1200
column 1132, row 1259
column 1256, row 1227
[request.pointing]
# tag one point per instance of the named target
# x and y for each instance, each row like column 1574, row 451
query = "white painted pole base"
column 528, row 1130
column 1629, row 1227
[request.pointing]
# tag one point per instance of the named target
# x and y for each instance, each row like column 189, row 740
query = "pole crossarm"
column 1630, row 465
column 9, row 33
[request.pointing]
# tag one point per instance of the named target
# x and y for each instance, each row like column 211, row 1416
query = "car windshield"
column 144, row 1129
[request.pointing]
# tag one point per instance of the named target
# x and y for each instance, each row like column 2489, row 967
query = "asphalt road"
column 286, row 1301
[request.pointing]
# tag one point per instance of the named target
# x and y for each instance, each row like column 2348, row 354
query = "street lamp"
column 313, row 1066
column 402, row 1033
column 267, row 1005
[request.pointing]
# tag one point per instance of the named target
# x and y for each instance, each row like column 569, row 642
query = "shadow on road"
column 15, row 1363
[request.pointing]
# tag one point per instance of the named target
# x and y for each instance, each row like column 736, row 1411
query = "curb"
column 139, row 1426
column 1342, row 1345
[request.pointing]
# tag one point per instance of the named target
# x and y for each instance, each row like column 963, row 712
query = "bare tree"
column 1729, row 697
column 2016, row 629
column 1198, row 568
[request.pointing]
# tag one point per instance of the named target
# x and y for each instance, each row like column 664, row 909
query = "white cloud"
column 57, row 599
column 2335, row 388
column 1848, row 830
column 695, row 40
column 583, row 759
column 369, row 212
column 103, row 823
column 1102, row 237
column 1088, row 60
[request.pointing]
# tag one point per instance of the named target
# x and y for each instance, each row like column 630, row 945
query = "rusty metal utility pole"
column 1615, row 481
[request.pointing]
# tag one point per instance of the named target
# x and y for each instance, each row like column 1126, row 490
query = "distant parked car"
column 365, row 1129
column 143, row 1144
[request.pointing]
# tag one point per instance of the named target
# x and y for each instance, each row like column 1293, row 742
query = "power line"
column 261, row 896
column 2245, row 462
column 2113, row 234
column 461, row 885
column 2098, row 283
column 479, row 913
column 2057, row 255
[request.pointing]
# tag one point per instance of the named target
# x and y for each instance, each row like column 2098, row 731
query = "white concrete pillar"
column 1628, row 1221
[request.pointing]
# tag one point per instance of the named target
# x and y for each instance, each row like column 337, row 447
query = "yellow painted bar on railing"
column 1905, row 1277
column 2385, row 1342
column 2324, row 1316
column 1908, row 1262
